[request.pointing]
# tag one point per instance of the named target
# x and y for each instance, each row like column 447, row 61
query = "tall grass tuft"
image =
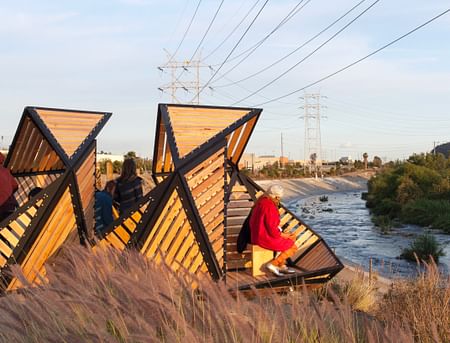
column 360, row 293
column 123, row 297
column 425, row 248
column 422, row 304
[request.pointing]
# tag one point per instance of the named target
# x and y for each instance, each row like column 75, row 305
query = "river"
column 345, row 224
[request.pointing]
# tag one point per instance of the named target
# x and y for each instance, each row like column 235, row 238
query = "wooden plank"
column 10, row 238
column 167, row 159
column 113, row 239
column 27, row 130
column 180, row 237
column 164, row 227
column 173, row 232
column 243, row 140
column 214, row 181
column 18, row 226
column 200, row 178
column 49, row 113
column 5, row 249
column 122, row 234
column 160, row 147
column 210, row 164
column 285, row 219
column 2, row 261
column 161, row 217
column 234, row 140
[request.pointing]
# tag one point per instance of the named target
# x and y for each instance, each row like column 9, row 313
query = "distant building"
column 251, row 162
column 284, row 160
column 346, row 160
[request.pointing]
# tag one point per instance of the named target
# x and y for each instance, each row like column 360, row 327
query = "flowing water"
column 345, row 224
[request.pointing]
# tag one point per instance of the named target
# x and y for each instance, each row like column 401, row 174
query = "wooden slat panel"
column 70, row 128
column 86, row 184
column 15, row 230
column 206, row 183
column 243, row 140
column 195, row 126
column 164, row 228
column 319, row 257
column 237, row 211
column 31, row 151
column 121, row 234
column 161, row 218
column 57, row 228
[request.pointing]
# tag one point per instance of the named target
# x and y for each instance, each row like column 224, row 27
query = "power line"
column 250, row 51
column 357, row 61
column 311, row 53
column 232, row 31
column 181, row 15
column 203, row 38
column 293, row 51
column 260, row 41
column 234, row 48
column 185, row 33
column 207, row 30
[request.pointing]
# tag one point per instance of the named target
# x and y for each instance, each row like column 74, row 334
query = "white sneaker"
column 274, row 269
column 287, row 270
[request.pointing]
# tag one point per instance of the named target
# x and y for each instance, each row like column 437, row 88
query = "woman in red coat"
column 265, row 230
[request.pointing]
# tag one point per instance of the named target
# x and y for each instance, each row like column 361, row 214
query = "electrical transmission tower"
column 313, row 143
column 181, row 78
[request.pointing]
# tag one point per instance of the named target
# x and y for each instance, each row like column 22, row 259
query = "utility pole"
column 313, row 142
column 177, row 70
column 281, row 157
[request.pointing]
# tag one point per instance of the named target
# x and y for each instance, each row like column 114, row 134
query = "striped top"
column 128, row 193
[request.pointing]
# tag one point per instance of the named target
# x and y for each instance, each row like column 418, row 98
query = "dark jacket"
column 128, row 193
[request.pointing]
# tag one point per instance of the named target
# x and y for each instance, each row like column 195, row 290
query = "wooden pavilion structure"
column 53, row 149
column 192, row 218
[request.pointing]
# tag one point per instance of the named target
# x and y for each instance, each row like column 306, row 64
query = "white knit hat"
column 275, row 191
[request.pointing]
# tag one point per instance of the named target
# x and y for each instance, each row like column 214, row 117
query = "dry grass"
column 422, row 304
column 112, row 297
column 360, row 292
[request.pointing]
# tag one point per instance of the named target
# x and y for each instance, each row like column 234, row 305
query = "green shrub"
column 424, row 247
column 383, row 222
column 426, row 212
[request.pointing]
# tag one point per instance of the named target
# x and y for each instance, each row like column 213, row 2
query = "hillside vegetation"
column 416, row 191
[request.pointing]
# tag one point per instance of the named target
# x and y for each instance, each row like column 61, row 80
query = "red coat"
column 8, row 185
column 264, row 223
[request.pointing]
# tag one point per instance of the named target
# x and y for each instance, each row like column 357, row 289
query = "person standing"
column 128, row 186
column 265, row 231
column 8, row 186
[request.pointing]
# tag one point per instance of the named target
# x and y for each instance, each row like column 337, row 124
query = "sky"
column 104, row 55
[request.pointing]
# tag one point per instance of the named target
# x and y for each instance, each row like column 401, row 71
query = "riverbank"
column 295, row 189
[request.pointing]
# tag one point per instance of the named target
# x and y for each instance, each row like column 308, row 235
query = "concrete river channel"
column 345, row 223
